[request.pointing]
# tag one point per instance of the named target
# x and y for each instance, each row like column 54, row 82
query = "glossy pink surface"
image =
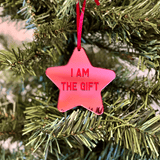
column 80, row 83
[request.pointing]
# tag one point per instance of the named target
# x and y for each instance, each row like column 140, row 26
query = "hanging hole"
column 79, row 49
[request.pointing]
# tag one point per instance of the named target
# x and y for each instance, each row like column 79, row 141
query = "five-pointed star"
column 80, row 83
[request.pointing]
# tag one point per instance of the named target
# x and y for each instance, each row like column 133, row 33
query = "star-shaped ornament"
column 80, row 83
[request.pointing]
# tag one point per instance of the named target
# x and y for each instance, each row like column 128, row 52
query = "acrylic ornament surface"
column 80, row 83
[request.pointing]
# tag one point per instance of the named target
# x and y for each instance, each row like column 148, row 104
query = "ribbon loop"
column 80, row 21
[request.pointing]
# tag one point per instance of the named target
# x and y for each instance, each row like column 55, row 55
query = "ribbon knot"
column 80, row 20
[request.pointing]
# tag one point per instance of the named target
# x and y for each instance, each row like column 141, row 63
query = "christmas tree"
column 123, row 36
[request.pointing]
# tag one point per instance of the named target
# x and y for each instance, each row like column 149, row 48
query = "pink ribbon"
column 80, row 20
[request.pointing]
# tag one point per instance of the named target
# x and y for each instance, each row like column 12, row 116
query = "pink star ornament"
column 80, row 83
